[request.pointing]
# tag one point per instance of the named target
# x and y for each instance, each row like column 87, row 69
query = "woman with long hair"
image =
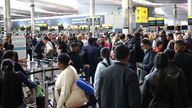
column 8, row 43
column 14, row 57
column 105, row 55
column 160, row 90
column 11, row 86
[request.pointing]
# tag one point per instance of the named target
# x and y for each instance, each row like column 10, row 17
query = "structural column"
column 7, row 16
column 190, row 12
column 175, row 14
column 92, row 15
column 125, row 16
column 32, row 17
column 130, row 17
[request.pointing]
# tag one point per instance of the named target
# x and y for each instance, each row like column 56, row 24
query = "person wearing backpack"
column 105, row 54
column 178, row 73
column 160, row 90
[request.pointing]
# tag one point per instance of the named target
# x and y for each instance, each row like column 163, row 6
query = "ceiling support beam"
column 32, row 17
column 92, row 15
column 7, row 16
column 190, row 12
column 175, row 14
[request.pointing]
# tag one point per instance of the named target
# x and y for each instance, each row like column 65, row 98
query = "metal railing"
column 44, row 84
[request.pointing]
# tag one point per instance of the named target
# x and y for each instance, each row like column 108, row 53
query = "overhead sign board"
column 89, row 21
column 189, row 20
column 160, row 21
column 156, row 22
column 53, row 21
column 97, row 21
column 152, row 22
column 141, row 15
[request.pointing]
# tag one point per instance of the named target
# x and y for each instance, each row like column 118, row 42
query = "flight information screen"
column 190, row 21
column 152, row 23
column 160, row 22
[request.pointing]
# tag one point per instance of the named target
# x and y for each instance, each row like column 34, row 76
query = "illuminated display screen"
column 160, row 22
column 152, row 23
column 190, row 21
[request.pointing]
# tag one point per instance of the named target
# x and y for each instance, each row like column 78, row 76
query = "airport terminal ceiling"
column 168, row 1
column 47, row 8
column 43, row 8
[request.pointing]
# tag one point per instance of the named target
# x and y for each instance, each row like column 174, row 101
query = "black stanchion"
column 46, row 95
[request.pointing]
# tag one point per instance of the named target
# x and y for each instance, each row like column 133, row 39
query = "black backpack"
column 105, row 64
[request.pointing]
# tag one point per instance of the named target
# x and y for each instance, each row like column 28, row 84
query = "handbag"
column 29, row 98
column 76, row 98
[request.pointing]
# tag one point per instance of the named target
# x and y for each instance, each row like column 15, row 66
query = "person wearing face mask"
column 148, row 59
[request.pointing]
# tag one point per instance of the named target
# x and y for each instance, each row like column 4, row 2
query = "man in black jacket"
column 90, row 57
column 159, row 89
column 163, row 38
column 118, row 86
column 39, row 49
column 184, row 61
column 136, row 53
column 76, row 59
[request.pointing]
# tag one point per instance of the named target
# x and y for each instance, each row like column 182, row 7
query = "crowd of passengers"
column 111, row 64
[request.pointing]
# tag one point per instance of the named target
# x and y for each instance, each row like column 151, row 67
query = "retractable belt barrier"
column 45, row 84
column 41, row 63
column 40, row 71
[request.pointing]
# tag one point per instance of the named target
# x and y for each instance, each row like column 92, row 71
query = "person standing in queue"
column 39, row 49
column 11, row 92
column 90, row 57
column 178, row 73
column 76, row 59
column 160, row 90
column 8, row 42
column 148, row 59
column 65, row 83
column 184, row 60
column 48, row 52
column 118, row 86
column 106, row 61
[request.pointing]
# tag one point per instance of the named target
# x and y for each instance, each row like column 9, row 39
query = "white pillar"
column 175, row 14
column 7, row 16
column 190, row 12
column 125, row 16
column 92, row 14
column 32, row 17
column 130, row 16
